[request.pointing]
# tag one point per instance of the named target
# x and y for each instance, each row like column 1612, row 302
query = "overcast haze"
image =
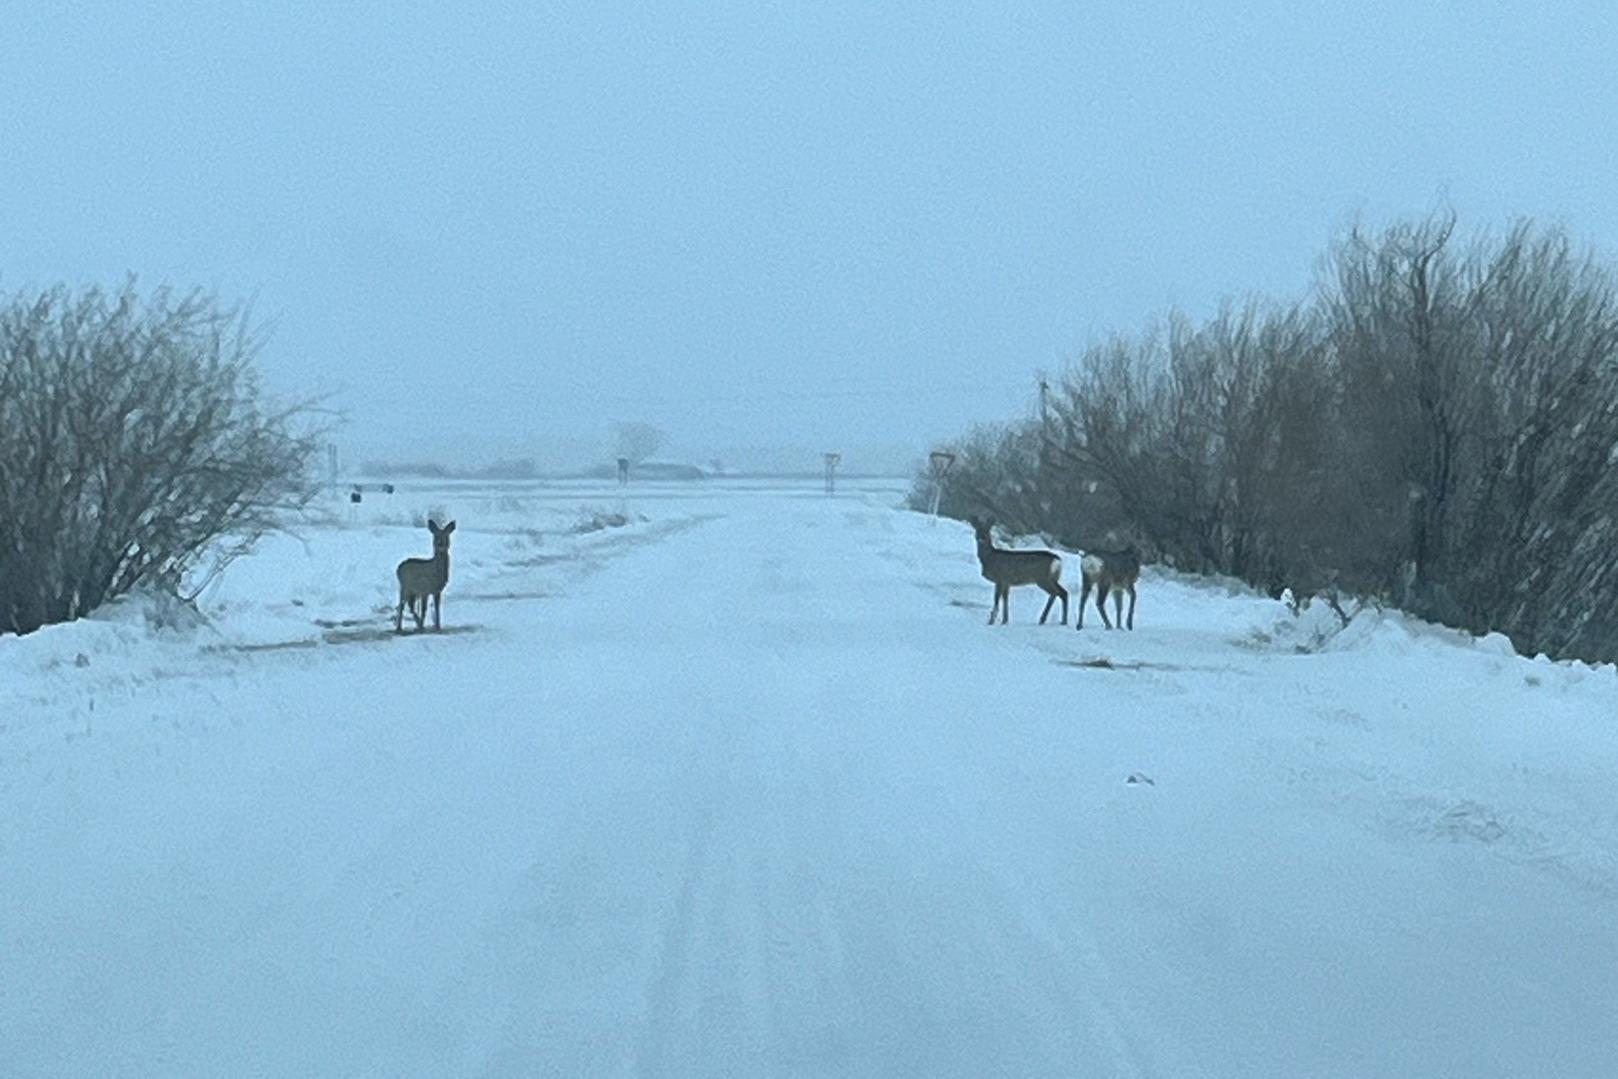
column 794, row 228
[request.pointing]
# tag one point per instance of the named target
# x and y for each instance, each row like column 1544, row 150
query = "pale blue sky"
column 493, row 229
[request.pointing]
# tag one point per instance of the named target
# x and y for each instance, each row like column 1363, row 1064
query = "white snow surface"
column 747, row 787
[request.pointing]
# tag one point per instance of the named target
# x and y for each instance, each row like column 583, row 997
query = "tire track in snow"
column 807, row 936
column 667, row 1006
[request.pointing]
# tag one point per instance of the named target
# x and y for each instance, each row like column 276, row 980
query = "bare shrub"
column 1186, row 429
column 1481, row 384
column 134, row 438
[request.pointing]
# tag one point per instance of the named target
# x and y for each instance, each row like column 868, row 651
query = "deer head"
column 440, row 536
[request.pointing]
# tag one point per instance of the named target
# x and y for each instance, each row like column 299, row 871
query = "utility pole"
column 1045, row 440
column 831, row 472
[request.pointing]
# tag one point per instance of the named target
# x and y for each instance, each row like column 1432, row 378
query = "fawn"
column 1005, row 569
column 1110, row 571
column 420, row 578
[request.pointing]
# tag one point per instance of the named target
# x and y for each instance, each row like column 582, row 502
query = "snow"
column 747, row 787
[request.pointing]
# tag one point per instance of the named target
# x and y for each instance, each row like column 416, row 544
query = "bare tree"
column 134, row 439
column 637, row 440
column 1398, row 306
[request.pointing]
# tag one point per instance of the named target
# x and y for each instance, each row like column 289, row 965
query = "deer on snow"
column 1006, row 569
column 1110, row 571
column 420, row 578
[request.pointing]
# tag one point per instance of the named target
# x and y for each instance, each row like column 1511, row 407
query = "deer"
column 1006, row 569
column 1110, row 571
column 420, row 578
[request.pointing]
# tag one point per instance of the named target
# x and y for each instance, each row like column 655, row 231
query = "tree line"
column 1434, row 426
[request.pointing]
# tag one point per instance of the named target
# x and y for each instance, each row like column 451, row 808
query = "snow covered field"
column 746, row 787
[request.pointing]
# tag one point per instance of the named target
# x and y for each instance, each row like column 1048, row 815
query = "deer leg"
column 438, row 620
column 418, row 610
column 1132, row 607
column 1084, row 597
column 398, row 615
column 1049, row 603
column 1101, row 604
column 1118, row 607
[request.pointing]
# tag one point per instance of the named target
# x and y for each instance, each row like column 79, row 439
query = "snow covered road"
column 760, row 794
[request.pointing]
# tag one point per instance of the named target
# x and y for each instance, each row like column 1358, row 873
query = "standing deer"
column 420, row 578
column 1110, row 571
column 1005, row 569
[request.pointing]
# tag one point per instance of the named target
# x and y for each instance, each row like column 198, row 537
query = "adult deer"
column 1007, row 569
column 420, row 578
column 1110, row 571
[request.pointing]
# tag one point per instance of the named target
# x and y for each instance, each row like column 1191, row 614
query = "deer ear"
column 449, row 528
column 432, row 526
